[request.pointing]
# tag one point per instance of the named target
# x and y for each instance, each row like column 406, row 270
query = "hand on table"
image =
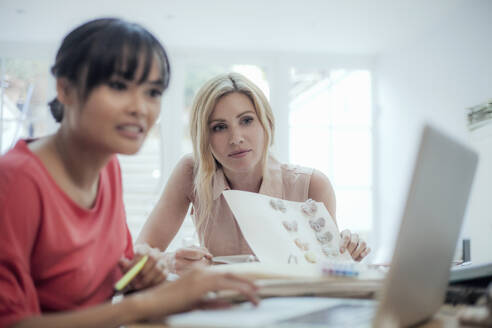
column 190, row 291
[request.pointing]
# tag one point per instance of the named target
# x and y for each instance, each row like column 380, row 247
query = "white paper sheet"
column 271, row 226
column 268, row 312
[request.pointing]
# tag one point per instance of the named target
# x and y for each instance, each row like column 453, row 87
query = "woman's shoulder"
column 183, row 175
column 288, row 168
column 20, row 173
column 318, row 177
column 186, row 165
column 295, row 181
column 188, row 160
column 19, row 162
column 320, row 187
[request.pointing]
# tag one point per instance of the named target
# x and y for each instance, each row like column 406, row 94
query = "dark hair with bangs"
column 95, row 51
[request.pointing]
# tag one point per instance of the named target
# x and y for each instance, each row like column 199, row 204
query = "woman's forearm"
column 153, row 303
column 104, row 315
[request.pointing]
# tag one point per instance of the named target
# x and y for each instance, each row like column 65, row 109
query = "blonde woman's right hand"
column 190, row 291
column 183, row 259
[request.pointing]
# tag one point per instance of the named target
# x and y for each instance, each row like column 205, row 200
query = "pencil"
column 132, row 273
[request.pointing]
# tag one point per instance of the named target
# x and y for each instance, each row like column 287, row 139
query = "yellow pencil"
column 132, row 273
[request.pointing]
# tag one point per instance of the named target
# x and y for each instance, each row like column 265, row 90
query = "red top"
column 54, row 254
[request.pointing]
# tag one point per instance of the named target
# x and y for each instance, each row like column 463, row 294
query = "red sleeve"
column 19, row 222
column 129, row 244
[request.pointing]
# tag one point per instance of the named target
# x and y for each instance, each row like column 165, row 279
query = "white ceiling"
column 336, row 26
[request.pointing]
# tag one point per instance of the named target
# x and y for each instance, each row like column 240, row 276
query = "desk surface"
column 445, row 318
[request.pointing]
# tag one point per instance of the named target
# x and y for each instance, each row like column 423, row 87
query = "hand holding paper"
column 280, row 231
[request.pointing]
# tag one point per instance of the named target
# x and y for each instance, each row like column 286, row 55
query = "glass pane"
column 24, row 111
column 354, row 209
column 141, row 181
column 339, row 97
column 311, row 97
column 352, row 157
column 306, row 151
column 351, row 93
column 330, row 126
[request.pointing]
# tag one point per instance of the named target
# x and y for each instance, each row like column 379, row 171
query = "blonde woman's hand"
column 352, row 243
column 154, row 271
column 190, row 291
column 183, row 259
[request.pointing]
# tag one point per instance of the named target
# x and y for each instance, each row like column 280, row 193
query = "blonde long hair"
column 204, row 103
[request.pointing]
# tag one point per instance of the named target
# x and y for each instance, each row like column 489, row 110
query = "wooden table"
column 445, row 318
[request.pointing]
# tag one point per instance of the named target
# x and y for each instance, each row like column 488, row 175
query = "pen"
column 127, row 277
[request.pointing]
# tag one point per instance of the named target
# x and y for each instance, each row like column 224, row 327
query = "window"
column 330, row 126
column 23, row 101
column 142, row 181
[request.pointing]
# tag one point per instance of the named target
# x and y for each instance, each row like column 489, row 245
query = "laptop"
column 415, row 286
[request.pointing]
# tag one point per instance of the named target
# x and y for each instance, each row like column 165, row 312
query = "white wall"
column 433, row 78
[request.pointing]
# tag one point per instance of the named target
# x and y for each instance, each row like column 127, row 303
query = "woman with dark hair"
column 63, row 231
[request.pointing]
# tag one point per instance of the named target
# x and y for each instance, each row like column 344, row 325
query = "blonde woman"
column 232, row 129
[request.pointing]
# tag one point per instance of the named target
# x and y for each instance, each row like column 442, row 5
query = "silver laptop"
column 416, row 283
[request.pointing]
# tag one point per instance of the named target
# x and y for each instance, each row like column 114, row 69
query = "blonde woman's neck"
column 246, row 181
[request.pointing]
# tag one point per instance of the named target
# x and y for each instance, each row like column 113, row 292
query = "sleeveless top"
column 221, row 234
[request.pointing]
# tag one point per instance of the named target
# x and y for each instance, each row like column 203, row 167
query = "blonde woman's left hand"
column 352, row 243
column 154, row 271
